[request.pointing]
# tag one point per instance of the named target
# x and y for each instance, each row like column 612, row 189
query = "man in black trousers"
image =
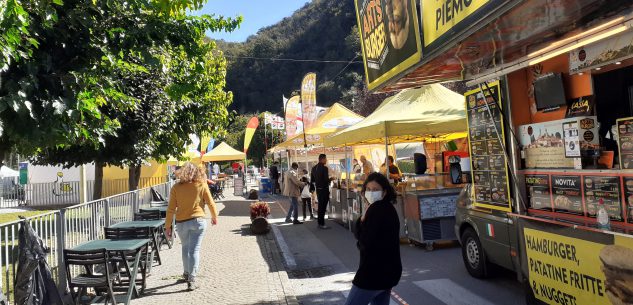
column 321, row 179
column 274, row 176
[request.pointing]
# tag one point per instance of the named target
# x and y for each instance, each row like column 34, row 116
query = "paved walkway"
column 236, row 267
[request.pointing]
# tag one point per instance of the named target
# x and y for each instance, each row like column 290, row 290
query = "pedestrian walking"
column 187, row 201
column 306, row 196
column 274, row 176
column 320, row 176
column 292, row 189
column 378, row 235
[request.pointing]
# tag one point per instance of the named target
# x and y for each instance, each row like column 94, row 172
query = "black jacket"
column 320, row 176
column 378, row 237
column 274, row 172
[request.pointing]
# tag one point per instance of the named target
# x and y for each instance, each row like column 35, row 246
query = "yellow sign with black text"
column 565, row 270
column 440, row 16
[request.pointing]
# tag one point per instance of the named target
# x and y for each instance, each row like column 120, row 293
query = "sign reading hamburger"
column 578, row 267
column 390, row 38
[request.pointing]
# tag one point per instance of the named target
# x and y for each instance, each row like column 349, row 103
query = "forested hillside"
column 321, row 30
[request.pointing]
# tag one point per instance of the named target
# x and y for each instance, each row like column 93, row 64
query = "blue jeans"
column 294, row 209
column 190, row 233
column 358, row 296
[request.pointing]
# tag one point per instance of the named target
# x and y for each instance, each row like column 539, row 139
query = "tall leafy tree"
column 68, row 69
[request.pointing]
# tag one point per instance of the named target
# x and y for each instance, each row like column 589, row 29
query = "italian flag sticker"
column 491, row 230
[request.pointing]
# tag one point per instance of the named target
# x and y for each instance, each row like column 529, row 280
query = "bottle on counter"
column 603, row 216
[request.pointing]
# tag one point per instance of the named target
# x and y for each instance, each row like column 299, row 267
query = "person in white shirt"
column 216, row 169
column 306, row 196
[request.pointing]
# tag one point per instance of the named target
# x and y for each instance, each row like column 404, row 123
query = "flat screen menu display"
column 567, row 193
column 486, row 140
column 605, row 188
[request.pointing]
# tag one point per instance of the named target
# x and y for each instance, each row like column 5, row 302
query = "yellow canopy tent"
column 428, row 113
column 222, row 152
column 335, row 118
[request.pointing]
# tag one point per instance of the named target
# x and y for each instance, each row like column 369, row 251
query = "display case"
column 429, row 208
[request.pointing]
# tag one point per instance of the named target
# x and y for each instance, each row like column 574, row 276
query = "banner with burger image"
column 390, row 38
column 567, row 265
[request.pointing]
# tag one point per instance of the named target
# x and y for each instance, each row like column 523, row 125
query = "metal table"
column 121, row 247
column 157, row 231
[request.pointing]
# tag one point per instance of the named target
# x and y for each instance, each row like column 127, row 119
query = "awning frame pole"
column 386, row 151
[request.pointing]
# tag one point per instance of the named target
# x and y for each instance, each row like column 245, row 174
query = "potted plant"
column 259, row 212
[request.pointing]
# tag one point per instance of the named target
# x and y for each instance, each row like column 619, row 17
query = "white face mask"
column 373, row 196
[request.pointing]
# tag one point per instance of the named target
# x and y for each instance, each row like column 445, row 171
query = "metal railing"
column 69, row 227
column 60, row 193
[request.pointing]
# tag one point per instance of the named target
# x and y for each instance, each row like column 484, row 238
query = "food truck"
column 549, row 101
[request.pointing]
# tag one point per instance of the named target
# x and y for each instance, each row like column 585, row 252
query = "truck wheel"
column 473, row 254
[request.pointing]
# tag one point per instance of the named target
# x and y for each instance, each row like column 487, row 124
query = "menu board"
column 628, row 197
column 567, row 194
column 625, row 142
column 605, row 188
column 486, row 142
column 538, row 192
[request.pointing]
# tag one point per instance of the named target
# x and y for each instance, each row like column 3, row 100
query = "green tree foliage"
column 322, row 29
column 74, row 71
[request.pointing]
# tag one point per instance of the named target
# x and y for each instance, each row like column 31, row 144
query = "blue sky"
column 256, row 13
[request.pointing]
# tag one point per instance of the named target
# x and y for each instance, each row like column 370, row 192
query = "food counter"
column 429, row 208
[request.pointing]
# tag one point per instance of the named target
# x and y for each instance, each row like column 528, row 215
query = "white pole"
column 83, row 186
column 386, row 151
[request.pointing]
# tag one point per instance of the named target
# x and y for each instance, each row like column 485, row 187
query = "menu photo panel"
column 486, row 144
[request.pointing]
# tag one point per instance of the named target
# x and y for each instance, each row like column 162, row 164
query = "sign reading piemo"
column 390, row 38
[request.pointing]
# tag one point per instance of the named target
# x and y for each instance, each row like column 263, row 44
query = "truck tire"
column 473, row 254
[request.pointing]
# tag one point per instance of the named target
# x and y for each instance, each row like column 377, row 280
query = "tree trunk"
column 98, row 186
column 134, row 177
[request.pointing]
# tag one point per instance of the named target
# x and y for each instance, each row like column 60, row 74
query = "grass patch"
column 9, row 217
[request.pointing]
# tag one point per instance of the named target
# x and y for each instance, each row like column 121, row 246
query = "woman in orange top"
column 186, row 202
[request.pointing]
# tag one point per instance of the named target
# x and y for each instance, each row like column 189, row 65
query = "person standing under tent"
column 274, row 176
column 216, row 169
column 292, row 189
column 321, row 178
column 367, row 167
column 356, row 168
column 394, row 171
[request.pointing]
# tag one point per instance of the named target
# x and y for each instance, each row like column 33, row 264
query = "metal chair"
column 148, row 254
column 90, row 261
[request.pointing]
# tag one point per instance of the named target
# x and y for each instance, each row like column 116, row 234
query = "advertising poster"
column 573, row 266
column 609, row 50
column 572, row 139
column 390, row 38
column 628, row 197
column 308, row 100
column 442, row 20
column 294, row 124
column 607, row 189
column 538, row 191
column 23, row 168
column 567, row 193
column 486, row 142
column 625, row 142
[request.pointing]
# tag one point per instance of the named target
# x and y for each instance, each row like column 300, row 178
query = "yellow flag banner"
column 252, row 125
column 294, row 124
column 308, row 100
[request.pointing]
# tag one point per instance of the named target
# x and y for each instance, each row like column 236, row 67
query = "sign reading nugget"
column 567, row 266
column 390, row 38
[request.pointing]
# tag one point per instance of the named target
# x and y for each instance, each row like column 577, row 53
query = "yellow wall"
column 115, row 179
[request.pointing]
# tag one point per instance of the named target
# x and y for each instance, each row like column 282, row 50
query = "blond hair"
column 192, row 173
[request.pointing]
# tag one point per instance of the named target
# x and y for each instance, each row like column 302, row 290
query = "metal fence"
column 59, row 193
column 69, row 227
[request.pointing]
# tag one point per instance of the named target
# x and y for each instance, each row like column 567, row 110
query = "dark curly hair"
column 384, row 183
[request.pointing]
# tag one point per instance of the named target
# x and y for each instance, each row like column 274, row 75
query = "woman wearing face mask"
column 378, row 237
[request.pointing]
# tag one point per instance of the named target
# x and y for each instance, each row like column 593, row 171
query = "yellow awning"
column 223, row 152
column 336, row 118
column 428, row 113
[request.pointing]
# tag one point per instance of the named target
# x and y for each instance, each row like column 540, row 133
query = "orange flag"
column 252, row 125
